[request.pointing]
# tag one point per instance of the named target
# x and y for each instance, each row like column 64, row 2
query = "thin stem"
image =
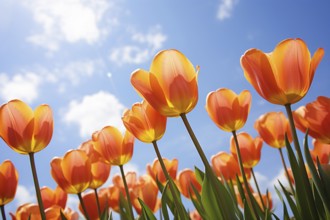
column 258, row 189
column 172, row 189
column 240, row 163
column 83, row 206
column 127, row 191
column 286, row 171
column 3, row 214
column 97, row 203
column 36, row 185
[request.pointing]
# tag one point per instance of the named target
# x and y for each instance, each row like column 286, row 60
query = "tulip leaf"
column 147, row 214
column 199, row 175
column 295, row 210
column 247, row 212
column 285, row 209
column 124, row 208
column 197, row 201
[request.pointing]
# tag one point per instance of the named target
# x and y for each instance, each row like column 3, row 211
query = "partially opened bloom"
column 148, row 193
column 228, row 110
column 115, row 148
column 170, row 86
column 225, row 165
column 53, row 197
column 100, row 169
column 54, row 213
column 24, row 130
column 315, row 117
column 284, row 75
column 272, row 128
column 250, row 149
column 8, row 182
column 156, row 172
column 89, row 199
column 132, row 184
column 27, row 211
column 144, row 122
column 320, row 151
column 72, row 172
column 186, row 180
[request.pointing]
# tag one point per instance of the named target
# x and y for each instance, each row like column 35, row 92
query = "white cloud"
column 225, row 9
column 24, row 195
column 94, row 112
column 68, row 21
column 142, row 48
column 22, row 86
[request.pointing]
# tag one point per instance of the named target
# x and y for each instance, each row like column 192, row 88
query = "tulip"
column 100, row 169
column 115, row 148
column 24, row 130
column 272, row 128
column 90, row 201
column 27, row 211
column 156, row 172
column 320, row 151
column 315, row 117
column 225, row 165
column 8, row 182
column 113, row 193
column 72, row 172
column 54, row 213
column 53, row 197
column 266, row 199
column 194, row 215
column 147, row 192
column 170, row 86
column 283, row 76
column 186, row 180
column 228, row 110
column 250, row 149
column 144, row 122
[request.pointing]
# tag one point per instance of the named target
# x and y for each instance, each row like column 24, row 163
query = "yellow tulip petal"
column 43, row 129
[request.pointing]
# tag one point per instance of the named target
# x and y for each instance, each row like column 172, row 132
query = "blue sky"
column 77, row 56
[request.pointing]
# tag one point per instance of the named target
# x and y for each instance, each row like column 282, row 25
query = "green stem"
column 127, row 191
column 97, row 203
column 258, row 189
column 36, row 185
column 240, row 163
column 286, row 171
column 3, row 214
column 168, row 178
column 83, row 206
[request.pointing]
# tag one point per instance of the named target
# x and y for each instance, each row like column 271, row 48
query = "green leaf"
column 247, row 212
column 295, row 210
column 147, row 214
column 124, row 208
column 199, row 175
column 285, row 210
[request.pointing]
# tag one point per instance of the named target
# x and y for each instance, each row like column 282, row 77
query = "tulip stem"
column 127, row 192
column 36, row 185
column 258, row 189
column 97, row 203
column 2, row 207
column 240, row 163
column 168, row 177
column 286, row 171
column 83, row 206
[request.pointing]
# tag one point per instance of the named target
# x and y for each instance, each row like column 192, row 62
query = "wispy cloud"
column 142, row 47
column 94, row 112
column 68, row 21
column 226, row 8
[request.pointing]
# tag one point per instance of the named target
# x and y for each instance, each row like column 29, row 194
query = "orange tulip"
column 113, row 195
column 89, row 200
column 225, row 165
column 54, row 213
column 284, row 75
column 100, row 169
column 144, row 122
column 228, row 110
column 72, row 172
column 156, row 172
column 132, row 184
column 170, row 86
column 115, row 148
column 316, row 117
column 267, row 200
column 148, row 193
column 250, row 149
column 24, row 130
column 8, row 182
column 27, row 211
column 320, row 151
column 272, row 128
column 185, row 180
column 194, row 215
column 53, row 197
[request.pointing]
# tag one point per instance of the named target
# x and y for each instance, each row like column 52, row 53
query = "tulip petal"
column 43, row 129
